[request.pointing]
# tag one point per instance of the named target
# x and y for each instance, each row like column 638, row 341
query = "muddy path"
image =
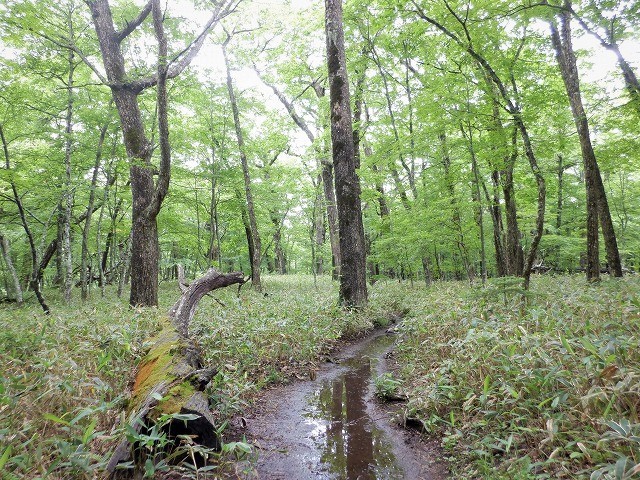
column 333, row 427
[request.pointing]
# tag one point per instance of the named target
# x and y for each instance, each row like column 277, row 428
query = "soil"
column 333, row 427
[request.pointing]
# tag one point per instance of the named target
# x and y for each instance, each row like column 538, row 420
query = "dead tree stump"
column 171, row 379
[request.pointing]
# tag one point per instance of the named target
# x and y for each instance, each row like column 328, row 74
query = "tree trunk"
column 496, row 220
column 560, row 172
column 213, row 253
column 394, row 128
column 456, row 218
column 280, row 258
column 67, row 196
column 332, row 217
column 147, row 197
column 597, row 204
column 513, row 248
column 85, row 279
column 251, row 213
column 495, row 83
column 4, row 247
column 353, row 284
column 318, row 229
column 172, row 371
column 36, row 272
column 327, row 177
column 477, row 201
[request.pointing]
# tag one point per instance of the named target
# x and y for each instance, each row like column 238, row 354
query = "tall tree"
column 251, row 224
column 353, row 282
column 147, row 194
column 597, row 203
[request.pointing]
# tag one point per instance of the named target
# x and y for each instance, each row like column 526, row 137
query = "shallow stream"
column 333, row 427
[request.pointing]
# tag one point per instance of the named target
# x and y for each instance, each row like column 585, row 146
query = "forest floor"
column 542, row 385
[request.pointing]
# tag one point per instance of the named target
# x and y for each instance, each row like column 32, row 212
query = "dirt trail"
column 333, row 428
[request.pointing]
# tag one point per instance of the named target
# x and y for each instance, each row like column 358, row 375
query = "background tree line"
column 486, row 145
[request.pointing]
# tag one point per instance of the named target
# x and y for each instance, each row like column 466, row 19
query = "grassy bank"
column 63, row 377
column 546, row 390
column 549, row 389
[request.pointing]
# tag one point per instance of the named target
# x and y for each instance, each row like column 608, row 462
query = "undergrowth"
column 545, row 385
column 64, row 378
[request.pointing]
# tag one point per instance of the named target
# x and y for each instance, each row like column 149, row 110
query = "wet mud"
column 334, row 428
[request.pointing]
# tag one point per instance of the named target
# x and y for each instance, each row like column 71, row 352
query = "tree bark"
column 353, row 284
column 560, row 199
column 513, row 248
column 84, row 255
column 327, row 177
column 477, row 201
column 6, row 255
column 394, row 128
column 213, row 252
column 514, row 109
column 67, row 196
column 597, row 204
column 147, row 196
column 456, row 218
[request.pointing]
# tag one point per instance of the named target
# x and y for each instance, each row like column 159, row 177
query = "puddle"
column 332, row 428
column 351, row 445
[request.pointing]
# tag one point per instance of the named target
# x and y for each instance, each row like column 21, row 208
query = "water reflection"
column 352, row 446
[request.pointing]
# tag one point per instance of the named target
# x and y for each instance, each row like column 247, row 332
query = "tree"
column 597, row 203
column 147, row 194
column 253, row 235
column 353, row 284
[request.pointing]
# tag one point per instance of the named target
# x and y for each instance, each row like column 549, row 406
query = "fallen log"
column 170, row 379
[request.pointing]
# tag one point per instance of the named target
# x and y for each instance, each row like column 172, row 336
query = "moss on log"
column 170, row 378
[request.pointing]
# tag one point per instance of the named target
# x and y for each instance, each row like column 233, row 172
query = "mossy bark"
column 170, row 378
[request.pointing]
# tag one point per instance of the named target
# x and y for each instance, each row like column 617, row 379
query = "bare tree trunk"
column 332, row 217
column 560, row 172
column 394, row 128
column 319, row 229
column 251, row 213
column 597, row 204
column 514, row 259
column 353, row 282
column 124, row 267
column 477, row 201
column 67, row 195
column 495, row 83
column 213, row 253
column 496, row 220
column 327, row 176
column 84, row 256
column 4, row 247
column 456, row 216
column 280, row 258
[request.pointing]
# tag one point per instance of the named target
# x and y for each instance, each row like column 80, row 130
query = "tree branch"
column 131, row 26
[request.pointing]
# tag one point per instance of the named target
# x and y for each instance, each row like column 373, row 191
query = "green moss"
column 157, row 365
column 175, row 399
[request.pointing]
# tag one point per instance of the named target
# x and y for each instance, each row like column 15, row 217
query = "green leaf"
column 54, row 418
column 88, row 432
column 5, row 456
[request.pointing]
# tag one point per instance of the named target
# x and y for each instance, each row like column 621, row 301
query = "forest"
column 460, row 173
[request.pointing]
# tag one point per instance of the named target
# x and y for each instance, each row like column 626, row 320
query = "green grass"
column 546, row 389
column 64, row 378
